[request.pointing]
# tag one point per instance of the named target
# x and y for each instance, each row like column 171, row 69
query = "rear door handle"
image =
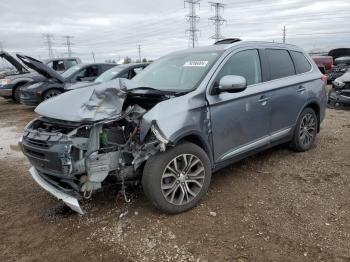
column 263, row 100
column 301, row 89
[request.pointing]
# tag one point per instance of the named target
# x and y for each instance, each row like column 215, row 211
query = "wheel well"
column 316, row 108
column 54, row 88
column 195, row 140
column 19, row 84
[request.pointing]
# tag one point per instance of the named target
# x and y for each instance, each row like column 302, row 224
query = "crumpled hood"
column 90, row 104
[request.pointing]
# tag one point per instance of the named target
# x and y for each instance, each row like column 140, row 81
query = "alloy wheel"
column 182, row 179
column 307, row 130
column 51, row 93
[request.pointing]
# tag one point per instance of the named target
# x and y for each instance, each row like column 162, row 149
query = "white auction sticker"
column 196, row 63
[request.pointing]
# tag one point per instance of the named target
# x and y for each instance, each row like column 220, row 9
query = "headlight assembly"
column 157, row 134
column 5, row 82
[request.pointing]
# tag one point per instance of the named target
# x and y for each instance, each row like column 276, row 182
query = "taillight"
column 324, row 78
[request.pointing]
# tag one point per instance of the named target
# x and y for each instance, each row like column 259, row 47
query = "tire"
column 17, row 94
column 305, row 131
column 51, row 93
column 178, row 191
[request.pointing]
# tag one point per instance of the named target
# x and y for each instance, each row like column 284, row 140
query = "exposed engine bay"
column 79, row 158
column 340, row 92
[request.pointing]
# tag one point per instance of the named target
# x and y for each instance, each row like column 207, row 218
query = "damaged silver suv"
column 185, row 116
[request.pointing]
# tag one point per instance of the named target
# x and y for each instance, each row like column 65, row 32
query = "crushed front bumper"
column 339, row 98
column 6, row 92
column 69, row 200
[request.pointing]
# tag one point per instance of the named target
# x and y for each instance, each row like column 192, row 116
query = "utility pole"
column 284, row 31
column 93, row 56
column 217, row 20
column 193, row 19
column 68, row 43
column 48, row 41
column 139, row 48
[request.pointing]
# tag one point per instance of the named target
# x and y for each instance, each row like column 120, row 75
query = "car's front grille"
column 39, row 143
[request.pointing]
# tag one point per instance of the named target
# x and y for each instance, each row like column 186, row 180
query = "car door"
column 88, row 73
column 240, row 121
column 288, row 92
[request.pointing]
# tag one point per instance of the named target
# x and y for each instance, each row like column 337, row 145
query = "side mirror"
column 232, row 83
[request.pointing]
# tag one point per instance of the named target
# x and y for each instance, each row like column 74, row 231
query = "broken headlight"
column 338, row 84
column 158, row 135
column 4, row 82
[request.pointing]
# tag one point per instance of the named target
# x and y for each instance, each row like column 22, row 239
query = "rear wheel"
column 176, row 180
column 305, row 131
column 51, row 93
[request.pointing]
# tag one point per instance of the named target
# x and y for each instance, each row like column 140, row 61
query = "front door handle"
column 301, row 89
column 263, row 100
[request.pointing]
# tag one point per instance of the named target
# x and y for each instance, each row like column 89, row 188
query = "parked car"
column 55, row 83
column 127, row 71
column 185, row 116
column 62, row 64
column 10, row 84
column 339, row 95
column 341, row 66
column 324, row 63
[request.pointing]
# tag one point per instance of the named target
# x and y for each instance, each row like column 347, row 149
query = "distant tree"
column 144, row 60
column 127, row 60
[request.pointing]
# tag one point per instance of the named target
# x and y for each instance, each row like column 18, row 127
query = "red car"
column 324, row 63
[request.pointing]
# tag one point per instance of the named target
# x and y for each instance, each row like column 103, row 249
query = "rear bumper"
column 69, row 200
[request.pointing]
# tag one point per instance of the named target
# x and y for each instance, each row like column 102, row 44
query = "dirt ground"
column 276, row 206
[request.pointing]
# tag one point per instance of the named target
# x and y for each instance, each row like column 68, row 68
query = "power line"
column 68, row 43
column 193, row 19
column 284, row 34
column 49, row 44
column 217, row 20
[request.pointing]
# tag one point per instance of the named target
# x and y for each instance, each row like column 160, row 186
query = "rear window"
column 302, row 65
column 281, row 64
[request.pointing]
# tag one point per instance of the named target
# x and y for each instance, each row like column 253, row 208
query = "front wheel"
column 17, row 94
column 305, row 131
column 51, row 93
column 176, row 180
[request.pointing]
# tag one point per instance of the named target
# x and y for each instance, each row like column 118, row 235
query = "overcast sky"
column 114, row 28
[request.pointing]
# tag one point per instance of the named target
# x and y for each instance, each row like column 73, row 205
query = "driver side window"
column 91, row 71
column 245, row 63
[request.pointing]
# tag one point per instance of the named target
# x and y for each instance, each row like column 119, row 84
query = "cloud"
column 113, row 28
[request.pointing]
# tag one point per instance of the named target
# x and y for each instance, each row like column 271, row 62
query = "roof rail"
column 227, row 41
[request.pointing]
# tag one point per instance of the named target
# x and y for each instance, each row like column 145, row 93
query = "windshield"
column 178, row 72
column 108, row 75
column 70, row 71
